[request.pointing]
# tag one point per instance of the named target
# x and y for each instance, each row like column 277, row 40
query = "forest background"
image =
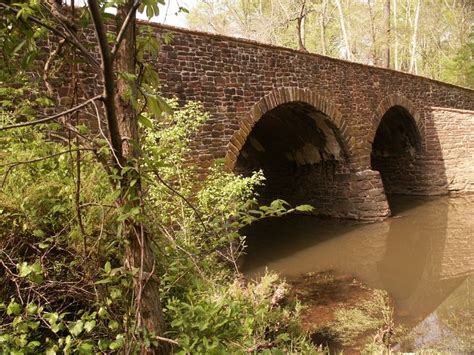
column 432, row 38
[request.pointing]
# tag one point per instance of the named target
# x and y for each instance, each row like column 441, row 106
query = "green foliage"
column 66, row 289
column 208, row 310
column 54, row 297
column 460, row 69
column 18, row 38
column 232, row 317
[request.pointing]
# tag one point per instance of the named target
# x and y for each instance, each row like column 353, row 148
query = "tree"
column 117, row 69
column 389, row 33
column 413, row 67
column 345, row 34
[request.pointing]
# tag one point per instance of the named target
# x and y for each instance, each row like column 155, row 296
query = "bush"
column 66, row 289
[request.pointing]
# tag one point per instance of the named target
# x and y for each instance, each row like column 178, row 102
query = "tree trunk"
column 322, row 24
column 413, row 67
column 343, row 30
column 300, row 27
column 395, row 28
column 387, row 34
column 139, row 254
column 375, row 58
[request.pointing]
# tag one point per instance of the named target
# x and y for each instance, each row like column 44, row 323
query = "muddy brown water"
column 423, row 256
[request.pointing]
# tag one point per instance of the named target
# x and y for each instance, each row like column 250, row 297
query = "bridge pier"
column 355, row 195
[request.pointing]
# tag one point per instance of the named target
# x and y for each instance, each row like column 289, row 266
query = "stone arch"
column 386, row 104
column 395, row 144
column 283, row 96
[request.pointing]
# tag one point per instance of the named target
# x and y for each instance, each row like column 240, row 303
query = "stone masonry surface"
column 239, row 82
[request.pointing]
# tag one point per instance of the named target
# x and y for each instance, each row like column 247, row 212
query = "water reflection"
column 422, row 256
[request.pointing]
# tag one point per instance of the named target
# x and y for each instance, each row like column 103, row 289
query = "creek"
column 422, row 256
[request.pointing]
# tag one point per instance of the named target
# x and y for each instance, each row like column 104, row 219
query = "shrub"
column 65, row 286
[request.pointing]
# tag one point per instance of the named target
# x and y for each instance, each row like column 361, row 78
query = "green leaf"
column 105, row 281
column 164, row 107
column 304, row 208
column 39, row 233
column 24, row 269
column 104, row 344
column 149, row 12
column 43, row 245
column 102, row 312
column 89, row 325
column 34, row 344
column 52, row 350
column 13, row 308
column 31, row 308
column 152, row 104
column 36, row 267
column 86, row 348
column 5, row 338
column 75, row 328
column 117, row 343
column 145, row 121
column 128, row 76
column 113, row 324
column 55, row 327
column 107, row 267
column 33, row 325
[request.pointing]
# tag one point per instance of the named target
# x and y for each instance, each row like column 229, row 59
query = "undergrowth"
column 64, row 285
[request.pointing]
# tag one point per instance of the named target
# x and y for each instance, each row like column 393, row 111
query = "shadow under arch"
column 396, row 144
column 288, row 95
column 386, row 104
column 299, row 140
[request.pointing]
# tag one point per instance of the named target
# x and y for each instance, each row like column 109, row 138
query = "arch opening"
column 394, row 151
column 299, row 150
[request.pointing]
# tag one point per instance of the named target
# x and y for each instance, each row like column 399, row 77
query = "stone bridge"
column 328, row 132
column 338, row 135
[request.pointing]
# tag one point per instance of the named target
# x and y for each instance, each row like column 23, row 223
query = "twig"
column 102, row 133
column 198, row 214
column 167, row 340
column 47, row 65
column 53, row 117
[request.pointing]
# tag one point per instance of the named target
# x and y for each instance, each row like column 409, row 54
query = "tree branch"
column 71, row 41
column 123, row 29
column 53, row 117
column 109, row 81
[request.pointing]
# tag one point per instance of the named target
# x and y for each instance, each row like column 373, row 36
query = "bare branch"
column 47, row 66
column 166, row 340
column 53, row 117
column 190, row 205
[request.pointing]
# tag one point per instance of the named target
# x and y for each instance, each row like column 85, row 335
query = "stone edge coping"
column 438, row 108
